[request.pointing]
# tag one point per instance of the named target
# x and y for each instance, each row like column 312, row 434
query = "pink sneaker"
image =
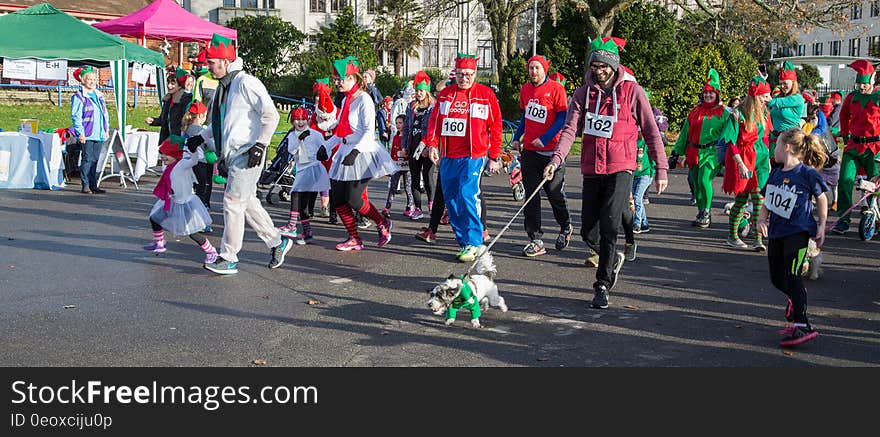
column 211, row 257
column 384, row 232
column 156, row 247
column 408, row 212
column 350, row 244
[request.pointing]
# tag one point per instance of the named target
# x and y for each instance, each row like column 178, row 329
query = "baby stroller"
column 277, row 178
column 511, row 161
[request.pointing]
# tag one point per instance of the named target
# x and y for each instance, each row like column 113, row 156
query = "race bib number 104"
column 598, row 125
column 780, row 201
column 453, row 127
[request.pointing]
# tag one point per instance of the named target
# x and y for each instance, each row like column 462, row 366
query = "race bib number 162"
column 598, row 125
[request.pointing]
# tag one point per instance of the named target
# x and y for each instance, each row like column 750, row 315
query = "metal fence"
column 133, row 93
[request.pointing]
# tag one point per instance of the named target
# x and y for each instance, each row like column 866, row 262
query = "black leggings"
column 204, row 185
column 197, row 237
column 785, row 256
column 347, row 192
column 425, row 168
column 303, row 202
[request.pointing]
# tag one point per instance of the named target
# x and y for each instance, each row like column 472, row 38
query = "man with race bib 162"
column 608, row 111
column 544, row 107
column 464, row 129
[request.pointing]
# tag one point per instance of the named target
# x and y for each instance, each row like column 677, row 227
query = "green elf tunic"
column 697, row 142
column 645, row 166
column 860, row 124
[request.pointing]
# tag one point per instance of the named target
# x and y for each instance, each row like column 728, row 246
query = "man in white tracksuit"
column 243, row 121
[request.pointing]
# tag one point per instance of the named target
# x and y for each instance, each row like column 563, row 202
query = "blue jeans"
column 88, row 167
column 639, row 188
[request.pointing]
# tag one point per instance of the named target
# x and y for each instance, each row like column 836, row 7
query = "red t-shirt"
column 541, row 103
column 395, row 150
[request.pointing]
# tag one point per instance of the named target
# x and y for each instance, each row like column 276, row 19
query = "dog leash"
column 828, row 228
column 507, row 226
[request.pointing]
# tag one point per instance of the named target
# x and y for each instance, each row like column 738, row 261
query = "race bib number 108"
column 598, row 125
column 453, row 127
column 536, row 112
column 780, row 201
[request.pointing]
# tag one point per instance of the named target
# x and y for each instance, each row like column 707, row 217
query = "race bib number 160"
column 453, row 127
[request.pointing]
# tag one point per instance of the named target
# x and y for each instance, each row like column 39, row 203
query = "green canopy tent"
column 43, row 32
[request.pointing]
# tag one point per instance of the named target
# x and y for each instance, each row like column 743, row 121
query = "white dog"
column 475, row 292
column 812, row 267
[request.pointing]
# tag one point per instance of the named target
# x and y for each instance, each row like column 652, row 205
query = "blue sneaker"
column 279, row 251
column 223, row 267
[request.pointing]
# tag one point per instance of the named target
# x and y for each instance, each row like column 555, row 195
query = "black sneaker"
column 279, row 251
column 564, row 237
column 703, row 220
column 630, row 251
column 619, row 258
column 840, row 228
column 600, row 298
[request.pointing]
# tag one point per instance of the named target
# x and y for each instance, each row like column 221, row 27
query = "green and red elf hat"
column 713, row 82
column 541, row 60
column 864, row 71
column 180, row 75
column 197, row 107
column 220, row 47
column 77, row 74
column 788, row 72
column 758, row 86
column 466, row 61
column 607, row 50
column 173, row 147
column 422, row 81
column 322, row 84
column 557, row 76
column 346, row 67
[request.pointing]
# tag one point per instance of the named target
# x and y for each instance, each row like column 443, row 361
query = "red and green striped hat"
column 788, row 72
column 346, row 66
column 758, row 86
column 220, row 47
column 422, row 81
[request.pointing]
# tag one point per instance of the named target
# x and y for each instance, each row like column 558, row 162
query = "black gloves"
column 222, row 170
column 305, row 134
column 322, row 154
column 351, row 157
column 673, row 161
column 255, row 154
column 193, row 143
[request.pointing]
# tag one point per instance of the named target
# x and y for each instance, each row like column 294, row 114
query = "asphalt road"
column 78, row 290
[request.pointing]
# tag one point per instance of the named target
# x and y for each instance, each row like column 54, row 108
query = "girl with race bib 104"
column 787, row 220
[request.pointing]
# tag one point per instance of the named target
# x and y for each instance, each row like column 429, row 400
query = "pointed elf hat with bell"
column 713, row 82
column 180, row 75
column 466, row 61
column 607, row 50
column 864, row 71
column 346, row 66
column 79, row 72
column 322, row 84
column 758, row 86
column 788, row 72
column 299, row 113
column 220, row 47
column 422, row 81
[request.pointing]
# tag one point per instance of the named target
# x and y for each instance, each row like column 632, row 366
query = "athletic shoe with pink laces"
column 155, row 247
column 445, row 219
column 417, row 214
column 384, row 229
column 427, row 235
column 800, row 334
column 350, row 244
column 407, row 212
column 287, row 231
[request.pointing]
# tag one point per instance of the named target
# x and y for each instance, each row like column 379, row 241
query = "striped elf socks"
column 347, row 216
column 757, row 203
column 737, row 211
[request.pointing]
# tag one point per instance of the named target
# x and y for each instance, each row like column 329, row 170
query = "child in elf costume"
column 306, row 147
column 178, row 209
column 746, row 159
column 697, row 143
column 860, row 127
column 787, row 108
column 323, row 120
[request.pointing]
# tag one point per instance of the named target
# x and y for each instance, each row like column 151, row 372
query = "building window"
column 817, row 49
column 874, row 46
column 856, row 12
column 269, row 4
column 834, row 48
column 229, row 3
column 802, row 50
column 450, row 50
column 855, row 46
column 249, row 4
column 372, row 6
column 429, row 52
column 484, row 52
column 875, row 8
column 337, row 5
column 317, row 5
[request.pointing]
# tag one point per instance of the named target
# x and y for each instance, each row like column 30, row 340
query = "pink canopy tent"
column 165, row 19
